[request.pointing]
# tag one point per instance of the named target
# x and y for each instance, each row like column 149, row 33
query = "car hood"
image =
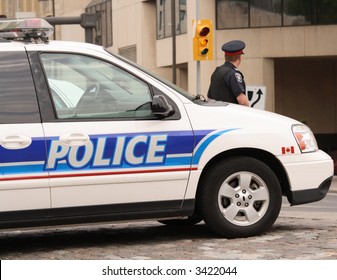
column 225, row 116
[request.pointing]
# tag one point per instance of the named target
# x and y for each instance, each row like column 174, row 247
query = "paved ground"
column 290, row 238
column 295, row 235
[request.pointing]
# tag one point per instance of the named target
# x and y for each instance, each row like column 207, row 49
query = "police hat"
column 234, row 47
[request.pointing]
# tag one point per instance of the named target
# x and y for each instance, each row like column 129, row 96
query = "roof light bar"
column 26, row 29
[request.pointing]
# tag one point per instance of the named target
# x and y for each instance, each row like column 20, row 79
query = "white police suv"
column 87, row 136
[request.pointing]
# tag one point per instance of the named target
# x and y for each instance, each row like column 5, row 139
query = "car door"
column 107, row 152
column 24, row 189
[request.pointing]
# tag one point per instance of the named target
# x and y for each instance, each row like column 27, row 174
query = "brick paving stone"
column 290, row 238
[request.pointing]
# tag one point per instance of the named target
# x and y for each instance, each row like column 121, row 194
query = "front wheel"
column 240, row 197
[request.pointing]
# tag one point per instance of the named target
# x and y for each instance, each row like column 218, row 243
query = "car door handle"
column 16, row 142
column 74, row 139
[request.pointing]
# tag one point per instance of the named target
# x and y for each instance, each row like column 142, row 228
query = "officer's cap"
column 234, row 47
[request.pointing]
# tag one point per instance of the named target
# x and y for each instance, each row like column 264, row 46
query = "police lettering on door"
column 108, row 152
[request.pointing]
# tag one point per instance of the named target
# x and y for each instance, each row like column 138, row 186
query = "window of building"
column 297, row 12
column 326, row 11
column 103, row 31
column 164, row 18
column 264, row 13
column 232, row 14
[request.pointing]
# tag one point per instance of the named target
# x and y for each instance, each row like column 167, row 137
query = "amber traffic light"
column 203, row 40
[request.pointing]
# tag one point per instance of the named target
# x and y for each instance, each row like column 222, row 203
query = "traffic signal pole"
column 202, row 44
column 87, row 20
column 198, row 61
column 174, row 47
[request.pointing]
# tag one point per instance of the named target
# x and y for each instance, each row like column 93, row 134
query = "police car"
column 87, row 136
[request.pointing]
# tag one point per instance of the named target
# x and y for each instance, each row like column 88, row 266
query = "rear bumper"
column 310, row 195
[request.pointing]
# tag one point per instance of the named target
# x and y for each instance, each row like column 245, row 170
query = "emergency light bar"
column 26, row 29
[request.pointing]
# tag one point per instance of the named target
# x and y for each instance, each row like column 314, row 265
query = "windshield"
column 166, row 82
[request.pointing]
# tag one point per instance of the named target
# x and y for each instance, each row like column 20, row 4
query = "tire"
column 240, row 197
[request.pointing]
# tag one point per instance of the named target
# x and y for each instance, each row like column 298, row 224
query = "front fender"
column 220, row 141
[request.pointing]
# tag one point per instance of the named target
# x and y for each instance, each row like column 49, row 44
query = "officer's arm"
column 236, row 85
column 243, row 100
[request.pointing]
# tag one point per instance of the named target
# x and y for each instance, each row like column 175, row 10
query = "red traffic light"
column 204, row 31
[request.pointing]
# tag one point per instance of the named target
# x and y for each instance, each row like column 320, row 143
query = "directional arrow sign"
column 256, row 96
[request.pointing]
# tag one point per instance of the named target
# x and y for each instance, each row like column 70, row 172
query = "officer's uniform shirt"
column 235, row 80
column 227, row 83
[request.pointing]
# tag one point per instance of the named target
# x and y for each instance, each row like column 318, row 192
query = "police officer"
column 227, row 82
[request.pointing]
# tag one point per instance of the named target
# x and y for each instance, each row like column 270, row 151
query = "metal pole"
column 173, row 20
column 63, row 20
column 53, row 3
column 54, row 33
column 86, row 20
column 198, row 62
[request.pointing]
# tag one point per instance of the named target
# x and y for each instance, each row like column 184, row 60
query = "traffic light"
column 203, row 40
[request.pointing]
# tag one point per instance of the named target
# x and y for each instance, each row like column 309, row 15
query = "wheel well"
column 266, row 157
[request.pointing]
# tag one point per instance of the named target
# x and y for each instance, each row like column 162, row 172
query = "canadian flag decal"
column 288, row 150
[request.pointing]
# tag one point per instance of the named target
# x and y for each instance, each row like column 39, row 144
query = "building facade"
column 25, row 8
column 291, row 46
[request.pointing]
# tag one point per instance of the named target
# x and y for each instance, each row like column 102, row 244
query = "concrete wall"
column 134, row 23
column 68, row 8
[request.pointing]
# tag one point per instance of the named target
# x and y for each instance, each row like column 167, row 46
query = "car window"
column 18, row 102
column 86, row 87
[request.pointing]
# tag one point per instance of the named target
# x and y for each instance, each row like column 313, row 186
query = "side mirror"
column 160, row 107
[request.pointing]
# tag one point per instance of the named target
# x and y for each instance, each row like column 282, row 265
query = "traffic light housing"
column 203, row 40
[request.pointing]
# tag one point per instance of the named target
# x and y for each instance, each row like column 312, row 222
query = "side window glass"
column 86, row 87
column 18, row 102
